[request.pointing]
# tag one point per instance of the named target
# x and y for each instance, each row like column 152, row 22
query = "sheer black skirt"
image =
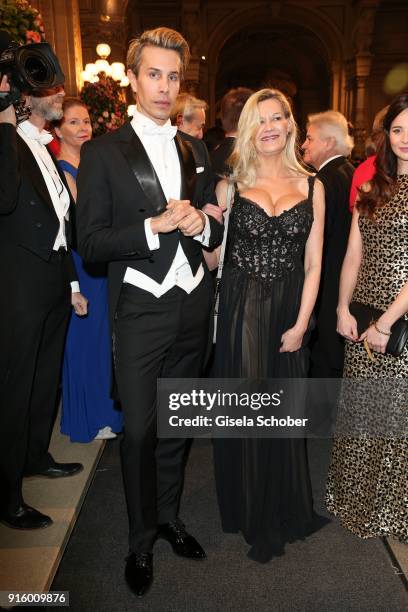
column 263, row 485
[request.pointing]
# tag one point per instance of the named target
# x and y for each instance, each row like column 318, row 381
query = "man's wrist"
column 152, row 239
column 153, row 225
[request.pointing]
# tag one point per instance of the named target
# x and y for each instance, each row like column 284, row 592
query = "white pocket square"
column 200, row 169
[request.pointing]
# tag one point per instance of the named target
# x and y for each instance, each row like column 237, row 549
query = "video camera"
column 29, row 68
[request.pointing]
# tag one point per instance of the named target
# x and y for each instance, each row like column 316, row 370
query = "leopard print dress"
column 367, row 483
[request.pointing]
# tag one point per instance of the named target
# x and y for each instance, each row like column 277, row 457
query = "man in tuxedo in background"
column 38, row 286
column 326, row 148
column 139, row 198
column 188, row 115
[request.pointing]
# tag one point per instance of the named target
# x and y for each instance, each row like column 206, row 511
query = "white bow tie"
column 168, row 131
column 43, row 137
column 30, row 130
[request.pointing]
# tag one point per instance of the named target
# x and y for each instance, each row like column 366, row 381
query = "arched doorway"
column 289, row 59
column 296, row 49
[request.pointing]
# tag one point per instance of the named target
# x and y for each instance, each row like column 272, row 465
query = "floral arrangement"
column 21, row 21
column 106, row 106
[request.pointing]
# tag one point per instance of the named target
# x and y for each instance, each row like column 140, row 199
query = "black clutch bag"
column 366, row 315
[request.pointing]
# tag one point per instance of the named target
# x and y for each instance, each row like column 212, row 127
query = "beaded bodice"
column 268, row 247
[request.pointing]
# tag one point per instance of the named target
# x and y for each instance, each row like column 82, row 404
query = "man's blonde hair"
column 185, row 106
column 164, row 38
column 332, row 124
column 244, row 156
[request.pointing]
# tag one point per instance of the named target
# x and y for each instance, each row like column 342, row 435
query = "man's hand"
column 8, row 115
column 214, row 211
column 191, row 221
column 79, row 303
column 169, row 220
column 193, row 224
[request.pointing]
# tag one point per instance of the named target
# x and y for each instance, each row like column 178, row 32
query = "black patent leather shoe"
column 139, row 572
column 25, row 517
column 58, row 470
column 183, row 543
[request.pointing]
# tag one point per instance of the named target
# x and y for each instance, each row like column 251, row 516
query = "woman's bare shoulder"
column 301, row 181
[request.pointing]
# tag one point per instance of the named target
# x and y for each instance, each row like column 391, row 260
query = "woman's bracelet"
column 381, row 331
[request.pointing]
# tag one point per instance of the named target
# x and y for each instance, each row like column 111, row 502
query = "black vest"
column 160, row 261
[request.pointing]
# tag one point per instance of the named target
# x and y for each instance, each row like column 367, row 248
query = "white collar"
column 329, row 160
column 31, row 131
column 140, row 121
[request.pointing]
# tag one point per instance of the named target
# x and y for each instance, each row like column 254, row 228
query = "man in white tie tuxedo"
column 140, row 194
column 38, row 286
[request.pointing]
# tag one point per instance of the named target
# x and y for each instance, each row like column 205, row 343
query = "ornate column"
column 192, row 27
column 62, row 17
column 336, row 74
column 362, row 35
column 192, row 79
column 349, row 75
column 361, row 129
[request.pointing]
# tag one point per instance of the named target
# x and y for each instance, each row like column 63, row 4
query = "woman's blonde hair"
column 244, row 158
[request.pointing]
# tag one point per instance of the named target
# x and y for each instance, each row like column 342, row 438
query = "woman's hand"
column 214, row 211
column 347, row 325
column 292, row 340
column 376, row 340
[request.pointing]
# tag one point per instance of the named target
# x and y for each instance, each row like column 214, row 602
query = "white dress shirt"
column 160, row 147
column 37, row 140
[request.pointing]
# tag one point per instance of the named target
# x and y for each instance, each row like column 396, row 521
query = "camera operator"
column 38, row 285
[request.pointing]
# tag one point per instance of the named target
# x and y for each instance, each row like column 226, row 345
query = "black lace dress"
column 263, row 485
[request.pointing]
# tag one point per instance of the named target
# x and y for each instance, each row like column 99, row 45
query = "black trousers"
column 327, row 347
column 154, row 338
column 32, row 336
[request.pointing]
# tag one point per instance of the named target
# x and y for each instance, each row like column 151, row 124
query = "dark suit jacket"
column 220, row 155
column 28, row 221
column 118, row 189
column 336, row 177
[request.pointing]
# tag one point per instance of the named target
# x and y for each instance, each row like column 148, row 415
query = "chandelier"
column 116, row 70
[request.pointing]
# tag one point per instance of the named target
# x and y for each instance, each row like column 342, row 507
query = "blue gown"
column 87, row 367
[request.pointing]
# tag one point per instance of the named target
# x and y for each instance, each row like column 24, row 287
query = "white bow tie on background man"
column 43, row 137
column 167, row 131
column 30, row 130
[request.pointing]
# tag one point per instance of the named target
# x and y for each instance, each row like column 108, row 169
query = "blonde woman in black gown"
column 268, row 291
column 368, row 477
